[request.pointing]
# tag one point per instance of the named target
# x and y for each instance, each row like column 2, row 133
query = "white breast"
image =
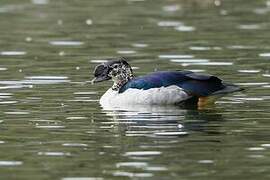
column 158, row 96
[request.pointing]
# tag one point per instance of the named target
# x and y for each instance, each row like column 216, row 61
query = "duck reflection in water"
column 138, row 120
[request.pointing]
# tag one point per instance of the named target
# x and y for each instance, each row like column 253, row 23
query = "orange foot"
column 205, row 101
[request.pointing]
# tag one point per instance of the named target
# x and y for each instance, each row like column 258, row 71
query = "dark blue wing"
column 196, row 84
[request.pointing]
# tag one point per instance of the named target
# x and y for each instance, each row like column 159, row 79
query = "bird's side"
column 159, row 88
column 153, row 96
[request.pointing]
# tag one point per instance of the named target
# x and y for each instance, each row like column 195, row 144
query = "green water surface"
column 51, row 123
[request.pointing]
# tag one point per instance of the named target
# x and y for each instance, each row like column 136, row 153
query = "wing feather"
column 193, row 83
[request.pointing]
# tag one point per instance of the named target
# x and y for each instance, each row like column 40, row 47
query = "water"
column 52, row 126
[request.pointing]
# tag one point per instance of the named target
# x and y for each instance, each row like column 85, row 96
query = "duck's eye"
column 115, row 66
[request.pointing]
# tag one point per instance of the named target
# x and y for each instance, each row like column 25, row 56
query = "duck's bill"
column 100, row 79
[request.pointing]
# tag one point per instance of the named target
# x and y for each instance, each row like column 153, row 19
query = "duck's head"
column 118, row 70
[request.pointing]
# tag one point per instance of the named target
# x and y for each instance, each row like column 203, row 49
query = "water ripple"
column 130, row 174
column 143, row 153
column 3, row 69
column 40, row 2
column 85, row 93
column 10, row 8
column 13, row 53
column 171, row 8
column 10, row 163
column 76, row 118
column 249, row 26
column 184, row 28
column 6, row 94
column 265, row 145
column 8, row 102
column 54, row 154
column 99, row 61
column 250, row 99
column 197, row 70
column 176, row 133
column 249, row 71
column 134, row 1
column 5, row 97
column 50, row 127
column 140, row 45
column 266, row 75
column 199, row 48
column 45, row 80
column 82, row 178
column 206, row 161
column 169, row 23
column 256, row 156
column 83, row 100
column 47, row 77
column 240, row 47
column 132, row 164
column 264, row 54
column 190, row 60
column 31, row 80
column 261, row 10
column 174, row 56
column 126, row 52
column 252, row 84
column 66, row 43
column 203, row 48
column 255, row 148
column 209, row 64
column 75, row 145
column 89, row 21
column 155, row 168
column 17, row 113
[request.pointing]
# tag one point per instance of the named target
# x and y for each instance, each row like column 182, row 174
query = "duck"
column 180, row 87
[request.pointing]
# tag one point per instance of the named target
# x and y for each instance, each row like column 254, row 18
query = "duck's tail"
column 204, row 101
column 229, row 88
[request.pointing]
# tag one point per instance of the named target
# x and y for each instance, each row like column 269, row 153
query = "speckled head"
column 116, row 69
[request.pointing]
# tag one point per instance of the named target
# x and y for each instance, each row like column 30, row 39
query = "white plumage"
column 162, row 96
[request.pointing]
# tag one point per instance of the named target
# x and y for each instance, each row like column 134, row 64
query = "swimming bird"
column 157, row 88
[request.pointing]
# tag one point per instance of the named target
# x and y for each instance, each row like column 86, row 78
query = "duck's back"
column 192, row 83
